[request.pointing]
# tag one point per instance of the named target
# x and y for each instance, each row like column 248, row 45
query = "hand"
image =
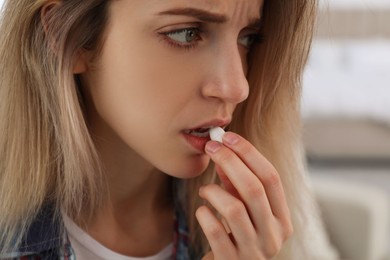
column 252, row 203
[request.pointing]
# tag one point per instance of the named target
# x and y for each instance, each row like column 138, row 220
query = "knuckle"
column 254, row 190
column 235, row 210
column 273, row 247
column 215, row 231
column 272, row 179
column 288, row 231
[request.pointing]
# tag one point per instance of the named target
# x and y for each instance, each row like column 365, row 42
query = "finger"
column 247, row 184
column 227, row 184
column 263, row 169
column 234, row 213
column 219, row 240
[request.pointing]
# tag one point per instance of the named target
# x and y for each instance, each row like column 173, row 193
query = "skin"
column 147, row 86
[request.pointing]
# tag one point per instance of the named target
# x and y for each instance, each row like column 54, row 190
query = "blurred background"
column 346, row 112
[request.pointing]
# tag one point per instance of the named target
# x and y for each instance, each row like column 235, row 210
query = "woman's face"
column 167, row 67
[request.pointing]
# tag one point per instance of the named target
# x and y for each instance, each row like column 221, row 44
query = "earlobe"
column 80, row 63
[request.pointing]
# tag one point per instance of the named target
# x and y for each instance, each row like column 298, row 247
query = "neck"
column 138, row 211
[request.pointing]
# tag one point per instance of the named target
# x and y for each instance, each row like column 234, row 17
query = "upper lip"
column 213, row 123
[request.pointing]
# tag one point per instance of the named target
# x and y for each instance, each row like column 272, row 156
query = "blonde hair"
column 46, row 152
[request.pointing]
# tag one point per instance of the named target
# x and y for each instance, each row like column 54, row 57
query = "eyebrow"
column 206, row 16
column 255, row 23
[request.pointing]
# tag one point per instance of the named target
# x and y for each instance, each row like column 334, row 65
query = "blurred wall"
column 356, row 23
column 348, row 71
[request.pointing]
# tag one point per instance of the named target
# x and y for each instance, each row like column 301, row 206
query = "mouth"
column 198, row 136
column 202, row 131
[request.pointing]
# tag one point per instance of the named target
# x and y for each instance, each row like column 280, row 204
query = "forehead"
column 249, row 8
column 234, row 12
column 222, row 6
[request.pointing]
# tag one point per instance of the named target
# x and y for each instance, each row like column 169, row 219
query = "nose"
column 225, row 76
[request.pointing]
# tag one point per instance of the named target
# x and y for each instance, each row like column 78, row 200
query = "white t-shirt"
column 86, row 248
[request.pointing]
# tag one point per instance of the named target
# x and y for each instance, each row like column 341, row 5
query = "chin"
column 188, row 168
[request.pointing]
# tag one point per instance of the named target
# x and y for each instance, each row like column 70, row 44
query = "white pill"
column 216, row 134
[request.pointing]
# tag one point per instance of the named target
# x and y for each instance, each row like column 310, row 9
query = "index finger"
column 263, row 169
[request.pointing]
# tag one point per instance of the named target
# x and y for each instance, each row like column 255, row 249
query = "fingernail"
column 230, row 138
column 213, row 147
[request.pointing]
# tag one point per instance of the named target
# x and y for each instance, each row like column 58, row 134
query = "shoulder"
column 45, row 239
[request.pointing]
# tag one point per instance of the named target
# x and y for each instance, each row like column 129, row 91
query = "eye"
column 184, row 36
column 248, row 40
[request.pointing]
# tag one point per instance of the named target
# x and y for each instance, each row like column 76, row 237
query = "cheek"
column 153, row 76
column 141, row 100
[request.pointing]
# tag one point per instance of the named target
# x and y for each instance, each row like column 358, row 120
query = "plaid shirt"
column 44, row 241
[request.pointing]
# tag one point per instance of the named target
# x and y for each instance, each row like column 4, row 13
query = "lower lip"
column 197, row 142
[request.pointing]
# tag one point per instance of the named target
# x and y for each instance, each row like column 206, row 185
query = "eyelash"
column 177, row 44
column 258, row 38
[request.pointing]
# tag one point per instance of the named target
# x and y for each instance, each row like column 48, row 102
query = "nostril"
column 231, row 91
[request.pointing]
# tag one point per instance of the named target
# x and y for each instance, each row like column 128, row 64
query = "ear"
column 46, row 12
column 80, row 63
column 80, row 60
